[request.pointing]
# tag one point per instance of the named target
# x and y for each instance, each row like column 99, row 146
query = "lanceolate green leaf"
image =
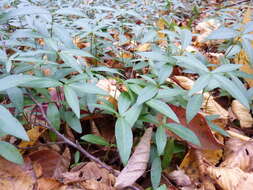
column 73, row 121
column 11, row 125
column 156, row 172
column 161, row 139
column 72, row 100
column 183, row 133
column 199, row 84
column 53, row 115
column 71, row 61
column 88, row 88
column 10, row 152
column 124, row 139
column 223, row 34
column 17, row 98
column 162, row 108
column 193, row 106
column 95, row 139
column 232, row 89
column 133, row 114
column 147, row 93
column 124, row 102
column 14, row 80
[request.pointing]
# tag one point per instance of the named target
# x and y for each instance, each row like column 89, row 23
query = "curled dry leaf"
column 211, row 107
column 109, row 85
column 231, row 178
column 184, row 82
column 199, row 126
column 242, row 114
column 238, row 154
column 52, row 163
column 137, row 163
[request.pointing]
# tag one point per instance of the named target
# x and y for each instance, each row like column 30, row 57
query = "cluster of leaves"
column 66, row 45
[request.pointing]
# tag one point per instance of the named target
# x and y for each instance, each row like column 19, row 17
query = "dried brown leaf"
column 231, row 178
column 16, row 177
column 242, row 114
column 137, row 164
column 52, row 163
column 180, row 178
column 238, row 154
column 90, row 171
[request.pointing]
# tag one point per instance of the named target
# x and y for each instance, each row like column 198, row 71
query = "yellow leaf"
column 33, row 135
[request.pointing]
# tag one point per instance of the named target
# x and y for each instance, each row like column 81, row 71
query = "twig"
column 69, row 142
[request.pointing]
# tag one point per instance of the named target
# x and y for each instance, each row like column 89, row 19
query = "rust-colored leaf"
column 137, row 164
column 52, row 163
column 199, row 126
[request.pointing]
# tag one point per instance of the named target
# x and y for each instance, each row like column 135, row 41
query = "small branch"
column 69, row 142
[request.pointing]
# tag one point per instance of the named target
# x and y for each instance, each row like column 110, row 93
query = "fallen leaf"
column 52, row 163
column 137, row 163
column 93, row 184
column 89, row 171
column 144, row 47
column 199, row 126
column 238, row 154
column 33, row 134
column 48, row 184
column 231, row 178
column 16, row 177
column 180, row 178
column 242, row 114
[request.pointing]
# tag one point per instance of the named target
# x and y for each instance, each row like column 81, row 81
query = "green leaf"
column 10, row 152
column 168, row 93
column 164, row 73
column 161, row 139
column 186, row 38
column 72, row 100
column 226, row 68
column 200, row 84
column 124, row 102
column 183, row 133
column 11, row 125
column 156, row 172
column 247, row 47
column 192, row 63
column 71, row 61
column 223, row 34
column 77, row 52
column 53, row 115
column 88, row 88
column 146, row 94
column 168, row 153
column 193, row 106
column 28, row 10
column 17, row 98
column 95, row 140
column 162, row 108
column 41, row 83
column 14, row 80
column 73, row 121
column 124, row 139
column 232, row 89
column 217, row 129
column 133, row 114
column 106, row 108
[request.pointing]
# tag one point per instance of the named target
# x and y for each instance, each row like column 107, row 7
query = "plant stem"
column 69, row 142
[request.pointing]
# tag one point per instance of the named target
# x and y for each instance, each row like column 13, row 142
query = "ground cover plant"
column 126, row 94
